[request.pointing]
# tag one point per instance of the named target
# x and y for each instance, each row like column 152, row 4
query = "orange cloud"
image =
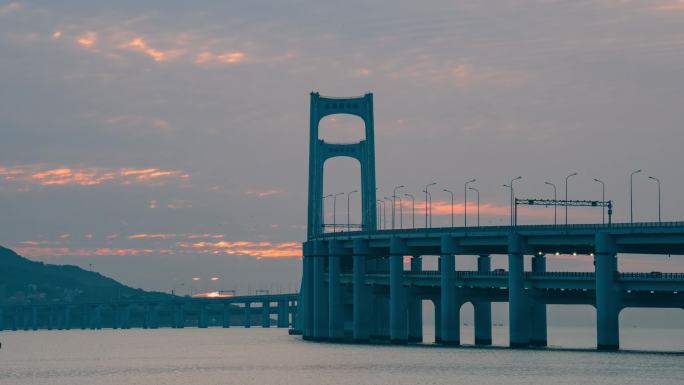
column 258, row 250
column 138, row 44
column 677, row 6
column 46, row 175
column 171, row 235
column 262, row 193
column 87, row 39
column 231, row 57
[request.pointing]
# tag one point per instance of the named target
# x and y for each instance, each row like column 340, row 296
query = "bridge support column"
column 483, row 310
column 283, row 314
column 538, row 333
column 518, row 310
column 361, row 328
column 438, row 321
column 607, row 303
column 398, row 311
column 203, row 316
column 449, row 298
column 225, row 320
column 306, row 303
column 335, row 307
column 266, row 314
column 248, row 315
column 415, row 307
column 320, row 331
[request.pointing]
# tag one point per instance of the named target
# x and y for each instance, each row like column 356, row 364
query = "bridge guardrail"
column 475, row 229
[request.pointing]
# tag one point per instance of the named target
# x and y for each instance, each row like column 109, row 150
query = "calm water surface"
column 259, row 356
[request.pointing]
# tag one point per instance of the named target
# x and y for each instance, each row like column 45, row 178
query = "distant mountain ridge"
column 23, row 280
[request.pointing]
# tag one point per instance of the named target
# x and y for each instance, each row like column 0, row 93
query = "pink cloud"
column 676, row 6
column 87, row 39
column 138, row 44
column 50, row 175
column 262, row 193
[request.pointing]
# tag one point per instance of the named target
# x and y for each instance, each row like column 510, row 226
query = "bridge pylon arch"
column 320, row 151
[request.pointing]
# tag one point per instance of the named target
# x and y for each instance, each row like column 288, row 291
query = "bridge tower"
column 320, row 151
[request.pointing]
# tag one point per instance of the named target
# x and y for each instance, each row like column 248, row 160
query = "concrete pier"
column 283, row 314
column 607, row 302
column 415, row 306
column 538, row 331
column 266, row 314
column 361, row 310
column 320, row 331
column 203, row 316
column 450, row 310
column 518, row 311
column 398, row 309
column 248, row 314
column 335, row 308
column 225, row 319
column 483, row 309
column 306, row 306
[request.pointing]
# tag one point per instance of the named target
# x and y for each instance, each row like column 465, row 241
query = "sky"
column 159, row 141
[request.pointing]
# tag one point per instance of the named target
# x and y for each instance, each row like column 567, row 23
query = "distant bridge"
column 150, row 314
column 355, row 287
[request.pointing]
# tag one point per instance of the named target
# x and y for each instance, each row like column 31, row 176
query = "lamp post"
column 323, row 211
column 394, row 198
column 413, row 210
column 555, row 211
column 603, row 199
column 428, row 204
column 657, row 180
column 631, row 195
column 348, row 195
column 478, row 204
column 335, row 211
column 510, row 186
column 566, row 197
column 383, row 203
column 452, row 205
column 380, row 205
column 465, row 203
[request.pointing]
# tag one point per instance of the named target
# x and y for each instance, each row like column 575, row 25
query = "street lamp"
column 555, row 212
column 413, row 210
column 603, row 198
column 631, row 195
column 383, row 203
column 452, row 205
column 348, row 195
column 323, row 211
column 510, row 186
column 566, row 197
column 428, row 204
column 380, row 205
column 657, row 180
column 334, row 211
column 478, row 204
column 465, row 203
column 394, row 197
